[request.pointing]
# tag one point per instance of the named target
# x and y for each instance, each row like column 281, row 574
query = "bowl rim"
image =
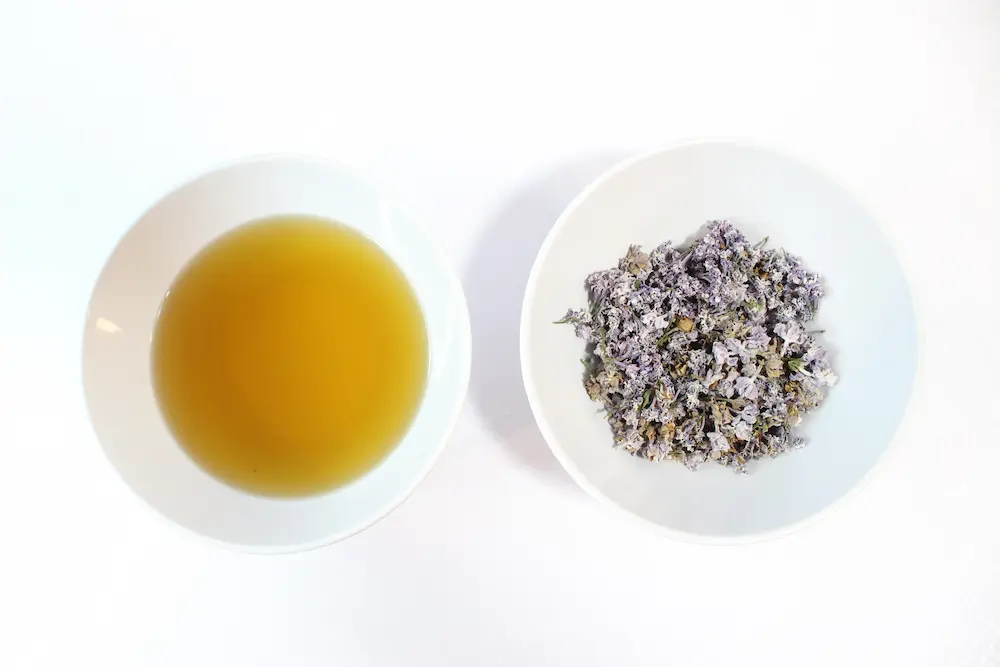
column 548, row 434
column 465, row 360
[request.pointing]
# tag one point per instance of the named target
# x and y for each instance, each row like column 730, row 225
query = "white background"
column 489, row 117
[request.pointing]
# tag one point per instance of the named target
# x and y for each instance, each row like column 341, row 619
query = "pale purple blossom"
column 749, row 413
column 789, row 332
column 719, row 442
column 723, row 355
column 757, row 339
column 743, row 430
column 746, row 384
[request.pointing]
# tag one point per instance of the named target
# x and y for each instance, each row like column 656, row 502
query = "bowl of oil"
column 275, row 354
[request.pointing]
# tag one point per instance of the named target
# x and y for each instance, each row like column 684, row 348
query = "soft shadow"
column 495, row 280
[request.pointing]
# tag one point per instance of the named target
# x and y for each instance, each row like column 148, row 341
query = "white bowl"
column 116, row 353
column 867, row 315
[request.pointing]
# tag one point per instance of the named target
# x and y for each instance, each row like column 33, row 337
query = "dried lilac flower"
column 701, row 353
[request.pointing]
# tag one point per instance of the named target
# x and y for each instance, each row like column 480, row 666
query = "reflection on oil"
column 107, row 326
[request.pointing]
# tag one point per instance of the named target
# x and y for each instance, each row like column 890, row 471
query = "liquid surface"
column 290, row 356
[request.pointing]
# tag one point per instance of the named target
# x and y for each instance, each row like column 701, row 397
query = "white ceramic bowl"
column 116, row 351
column 867, row 315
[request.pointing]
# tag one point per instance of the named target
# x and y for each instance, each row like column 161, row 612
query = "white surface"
column 120, row 323
column 489, row 118
column 867, row 317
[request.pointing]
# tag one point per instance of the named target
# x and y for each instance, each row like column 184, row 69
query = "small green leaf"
column 647, row 397
column 662, row 340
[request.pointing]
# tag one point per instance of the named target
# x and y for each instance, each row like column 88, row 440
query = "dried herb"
column 701, row 353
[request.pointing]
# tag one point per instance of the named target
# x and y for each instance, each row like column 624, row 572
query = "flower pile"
column 701, row 353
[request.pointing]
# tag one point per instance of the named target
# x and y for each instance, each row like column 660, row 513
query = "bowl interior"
column 120, row 323
column 867, row 316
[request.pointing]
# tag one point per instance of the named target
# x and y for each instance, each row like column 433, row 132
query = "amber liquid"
column 289, row 356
